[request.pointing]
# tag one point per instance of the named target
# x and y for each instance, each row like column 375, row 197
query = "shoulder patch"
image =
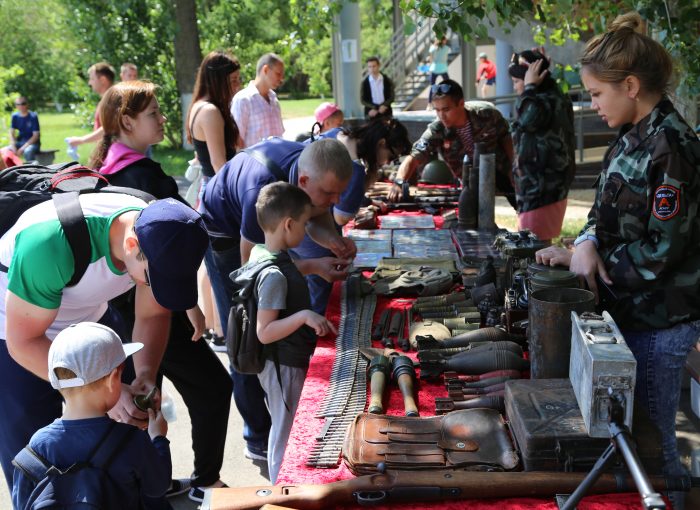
column 667, row 200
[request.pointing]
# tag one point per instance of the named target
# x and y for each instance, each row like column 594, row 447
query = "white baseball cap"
column 90, row 350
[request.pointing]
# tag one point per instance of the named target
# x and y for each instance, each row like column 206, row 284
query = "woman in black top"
column 132, row 121
column 210, row 126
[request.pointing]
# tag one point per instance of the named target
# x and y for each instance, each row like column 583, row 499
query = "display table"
column 306, row 427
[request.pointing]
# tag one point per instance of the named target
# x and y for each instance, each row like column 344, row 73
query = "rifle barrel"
column 415, row 486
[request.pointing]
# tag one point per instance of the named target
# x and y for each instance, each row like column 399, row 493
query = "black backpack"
column 84, row 485
column 244, row 348
column 25, row 186
column 245, row 351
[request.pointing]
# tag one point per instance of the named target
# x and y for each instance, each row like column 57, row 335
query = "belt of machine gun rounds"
column 346, row 395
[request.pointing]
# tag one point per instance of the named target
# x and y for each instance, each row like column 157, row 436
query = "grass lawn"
column 293, row 108
column 569, row 229
column 55, row 127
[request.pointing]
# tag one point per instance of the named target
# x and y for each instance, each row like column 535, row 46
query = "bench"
column 46, row 157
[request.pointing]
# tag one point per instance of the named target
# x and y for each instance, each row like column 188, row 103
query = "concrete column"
column 347, row 61
column 468, row 53
column 504, row 85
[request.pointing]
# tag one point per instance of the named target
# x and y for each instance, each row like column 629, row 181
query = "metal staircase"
column 406, row 54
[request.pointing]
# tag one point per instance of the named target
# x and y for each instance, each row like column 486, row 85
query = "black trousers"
column 205, row 386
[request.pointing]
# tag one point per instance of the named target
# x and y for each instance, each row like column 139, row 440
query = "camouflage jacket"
column 647, row 220
column 543, row 137
column 488, row 126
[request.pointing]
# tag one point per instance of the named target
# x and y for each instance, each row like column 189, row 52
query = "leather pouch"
column 473, row 439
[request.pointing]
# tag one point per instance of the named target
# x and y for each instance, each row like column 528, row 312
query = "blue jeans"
column 661, row 356
column 29, row 153
column 223, row 257
column 433, row 79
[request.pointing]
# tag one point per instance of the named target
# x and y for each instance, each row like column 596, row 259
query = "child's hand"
column 319, row 323
column 157, row 426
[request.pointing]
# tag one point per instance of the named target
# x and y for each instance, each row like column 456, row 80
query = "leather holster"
column 473, row 438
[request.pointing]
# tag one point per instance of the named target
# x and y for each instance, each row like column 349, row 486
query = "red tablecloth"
column 306, row 427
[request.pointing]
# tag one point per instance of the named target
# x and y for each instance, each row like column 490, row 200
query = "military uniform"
column 487, row 126
column 647, row 222
column 543, row 136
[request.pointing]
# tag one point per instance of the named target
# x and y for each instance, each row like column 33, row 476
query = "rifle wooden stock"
column 421, row 486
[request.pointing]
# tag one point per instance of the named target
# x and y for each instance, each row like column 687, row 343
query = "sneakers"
column 254, row 454
column 178, row 486
column 196, row 494
column 218, row 343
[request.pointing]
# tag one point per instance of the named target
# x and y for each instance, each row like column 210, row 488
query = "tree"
column 32, row 45
column 188, row 54
column 138, row 31
column 676, row 24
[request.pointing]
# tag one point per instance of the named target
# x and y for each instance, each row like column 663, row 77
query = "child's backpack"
column 244, row 348
column 22, row 187
column 84, row 485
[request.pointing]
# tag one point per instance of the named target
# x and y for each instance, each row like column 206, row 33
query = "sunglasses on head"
column 440, row 89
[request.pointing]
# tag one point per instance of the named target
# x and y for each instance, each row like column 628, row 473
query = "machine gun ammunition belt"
column 346, row 395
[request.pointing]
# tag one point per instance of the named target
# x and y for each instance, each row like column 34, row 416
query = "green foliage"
column 138, row 31
column 376, row 29
column 675, row 23
column 7, row 98
column 35, row 39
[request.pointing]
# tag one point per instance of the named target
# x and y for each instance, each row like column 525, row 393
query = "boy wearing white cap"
column 85, row 364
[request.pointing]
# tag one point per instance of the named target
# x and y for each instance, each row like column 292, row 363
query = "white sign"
column 349, row 50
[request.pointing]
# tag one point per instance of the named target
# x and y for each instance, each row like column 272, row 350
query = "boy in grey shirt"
column 286, row 325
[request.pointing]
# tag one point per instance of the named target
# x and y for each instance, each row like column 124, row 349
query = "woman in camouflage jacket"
column 543, row 138
column 642, row 238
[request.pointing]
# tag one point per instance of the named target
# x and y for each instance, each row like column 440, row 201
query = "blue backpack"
column 84, row 485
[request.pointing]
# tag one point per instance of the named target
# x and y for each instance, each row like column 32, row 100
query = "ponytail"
column 98, row 155
column 625, row 50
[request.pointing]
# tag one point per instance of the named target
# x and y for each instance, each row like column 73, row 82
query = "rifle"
column 417, row 486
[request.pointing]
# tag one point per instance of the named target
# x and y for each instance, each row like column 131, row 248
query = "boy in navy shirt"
column 85, row 364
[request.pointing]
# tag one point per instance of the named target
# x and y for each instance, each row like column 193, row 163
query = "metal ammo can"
column 600, row 360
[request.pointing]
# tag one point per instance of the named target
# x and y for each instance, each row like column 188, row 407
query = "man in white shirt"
column 255, row 108
column 377, row 91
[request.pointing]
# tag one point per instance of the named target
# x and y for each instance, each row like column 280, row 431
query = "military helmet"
column 437, row 172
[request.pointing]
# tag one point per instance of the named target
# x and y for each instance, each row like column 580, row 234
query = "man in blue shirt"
column 27, row 142
column 323, row 170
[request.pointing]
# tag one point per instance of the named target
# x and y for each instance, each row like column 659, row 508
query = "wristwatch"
column 586, row 237
column 399, row 182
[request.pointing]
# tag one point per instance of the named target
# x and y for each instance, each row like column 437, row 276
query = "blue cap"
column 173, row 238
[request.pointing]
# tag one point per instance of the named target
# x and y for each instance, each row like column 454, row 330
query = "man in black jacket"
column 377, row 91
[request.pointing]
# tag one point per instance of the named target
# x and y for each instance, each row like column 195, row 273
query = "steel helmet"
column 437, row 172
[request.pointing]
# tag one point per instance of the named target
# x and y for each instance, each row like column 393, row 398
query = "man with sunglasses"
column 25, row 124
column 459, row 126
column 156, row 247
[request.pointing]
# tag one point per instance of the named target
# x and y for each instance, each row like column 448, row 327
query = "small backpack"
column 25, row 186
column 244, row 348
column 84, row 485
